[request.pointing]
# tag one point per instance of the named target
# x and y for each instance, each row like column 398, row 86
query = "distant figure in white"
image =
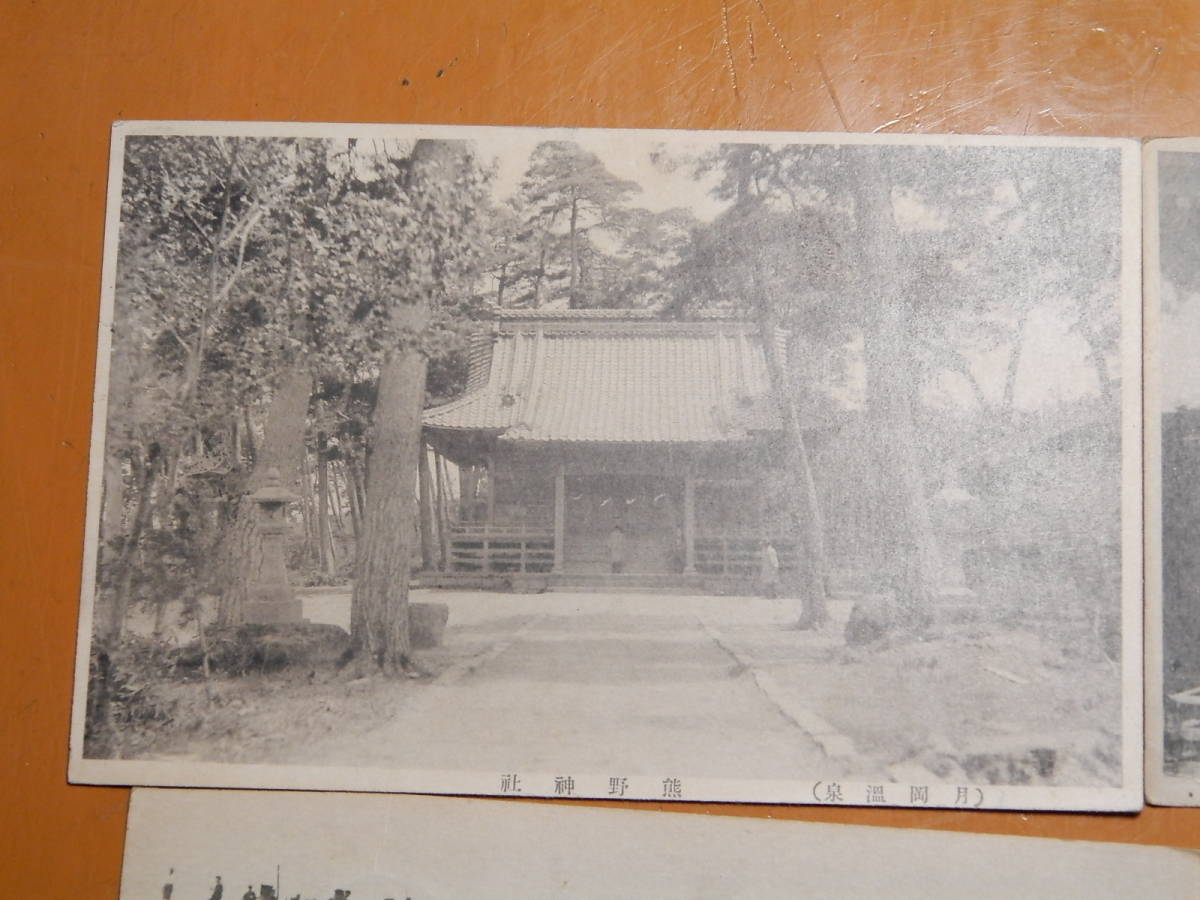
column 616, row 549
column 769, row 574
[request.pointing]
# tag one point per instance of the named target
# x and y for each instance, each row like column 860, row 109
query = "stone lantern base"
column 271, row 601
column 273, row 605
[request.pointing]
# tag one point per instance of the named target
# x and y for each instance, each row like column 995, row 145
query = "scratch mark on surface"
column 321, row 51
column 548, row 46
column 924, row 101
column 968, row 105
column 888, row 124
column 728, row 46
column 1050, row 112
column 825, row 80
column 750, row 34
column 1158, row 50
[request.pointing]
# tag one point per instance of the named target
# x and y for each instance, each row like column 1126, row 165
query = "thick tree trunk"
column 282, row 448
column 800, row 487
column 425, row 494
column 905, row 543
column 380, row 600
column 379, row 606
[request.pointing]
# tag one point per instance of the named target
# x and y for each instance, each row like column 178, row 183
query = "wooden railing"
column 741, row 555
column 479, row 548
column 500, row 548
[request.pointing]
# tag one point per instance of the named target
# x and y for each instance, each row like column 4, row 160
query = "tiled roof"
column 546, row 314
column 627, row 379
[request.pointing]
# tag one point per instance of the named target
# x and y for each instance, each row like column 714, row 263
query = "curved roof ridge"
column 454, row 405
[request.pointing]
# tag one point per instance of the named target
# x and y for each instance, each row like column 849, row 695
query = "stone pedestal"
column 954, row 512
column 426, row 624
column 271, row 601
column 272, row 606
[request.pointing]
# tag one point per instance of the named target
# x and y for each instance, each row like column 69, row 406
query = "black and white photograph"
column 1173, row 472
column 212, row 845
column 725, row 466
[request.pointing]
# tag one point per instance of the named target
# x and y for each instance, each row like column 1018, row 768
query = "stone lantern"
column 955, row 519
column 271, row 601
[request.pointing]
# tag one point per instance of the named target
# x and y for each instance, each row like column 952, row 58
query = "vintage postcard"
column 629, row 464
column 286, row 845
column 1172, row 288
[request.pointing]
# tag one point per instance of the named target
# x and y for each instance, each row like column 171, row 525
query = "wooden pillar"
column 425, row 509
column 758, row 490
column 689, row 524
column 468, row 492
column 442, row 481
column 491, row 515
column 491, row 494
column 560, row 515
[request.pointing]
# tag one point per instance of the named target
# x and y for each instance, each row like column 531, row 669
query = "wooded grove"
column 292, row 304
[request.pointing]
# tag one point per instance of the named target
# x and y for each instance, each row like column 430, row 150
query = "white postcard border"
column 1127, row 797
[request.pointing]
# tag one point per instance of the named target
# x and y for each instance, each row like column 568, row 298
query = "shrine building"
column 575, row 422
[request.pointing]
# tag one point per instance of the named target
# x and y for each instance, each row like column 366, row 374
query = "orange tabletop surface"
column 69, row 69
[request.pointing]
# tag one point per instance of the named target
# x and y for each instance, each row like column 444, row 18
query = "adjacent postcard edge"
column 597, row 849
column 1161, row 789
column 1132, row 473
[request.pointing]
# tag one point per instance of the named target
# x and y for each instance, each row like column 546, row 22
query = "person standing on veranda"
column 616, row 549
column 769, row 574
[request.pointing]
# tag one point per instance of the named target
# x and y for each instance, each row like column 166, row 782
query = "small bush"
column 244, row 649
column 124, row 705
